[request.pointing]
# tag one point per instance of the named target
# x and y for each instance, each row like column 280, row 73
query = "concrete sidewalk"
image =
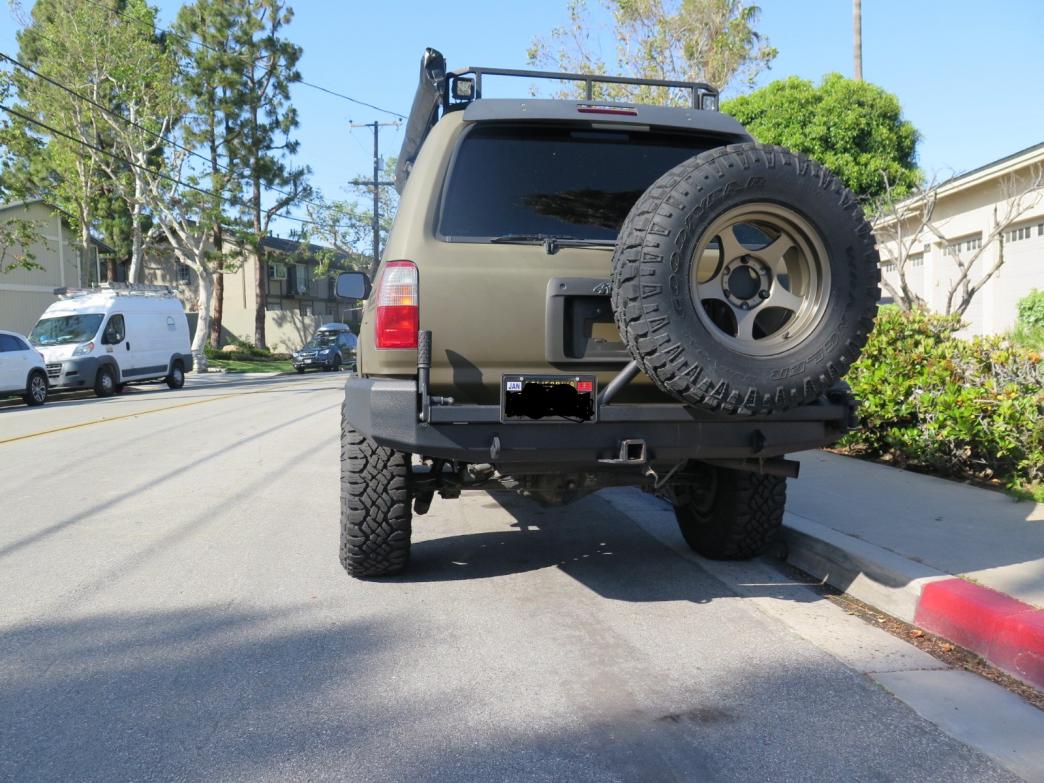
column 897, row 540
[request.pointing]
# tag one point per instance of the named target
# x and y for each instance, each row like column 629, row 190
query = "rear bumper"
column 386, row 410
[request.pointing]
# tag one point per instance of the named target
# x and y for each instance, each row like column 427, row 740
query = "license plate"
column 548, row 398
column 307, row 361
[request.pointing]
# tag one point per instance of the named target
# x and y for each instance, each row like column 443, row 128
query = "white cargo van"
column 104, row 338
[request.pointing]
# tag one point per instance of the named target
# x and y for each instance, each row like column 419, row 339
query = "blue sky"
column 968, row 74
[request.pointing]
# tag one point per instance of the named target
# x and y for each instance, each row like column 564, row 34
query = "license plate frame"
column 585, row 386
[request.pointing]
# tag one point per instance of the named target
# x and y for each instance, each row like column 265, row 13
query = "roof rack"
column 442, row 90
column 117, row 289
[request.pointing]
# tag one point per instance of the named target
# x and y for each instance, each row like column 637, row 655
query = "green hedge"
column 1029, row 327
column 244, row 352
column 960, row 408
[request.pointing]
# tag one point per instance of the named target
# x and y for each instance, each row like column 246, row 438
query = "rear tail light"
column 398, row 306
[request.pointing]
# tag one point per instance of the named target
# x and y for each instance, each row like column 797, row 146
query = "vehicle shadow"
column 592, row 542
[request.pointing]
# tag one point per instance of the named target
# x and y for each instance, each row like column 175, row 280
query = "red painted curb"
column 1004, row 631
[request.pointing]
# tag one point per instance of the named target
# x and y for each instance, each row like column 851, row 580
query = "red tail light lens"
column 398, row 306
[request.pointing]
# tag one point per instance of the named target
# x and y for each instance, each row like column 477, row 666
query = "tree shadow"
column 196, row 694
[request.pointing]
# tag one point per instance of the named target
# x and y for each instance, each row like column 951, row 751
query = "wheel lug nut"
column 744, row 306
column 763, row 294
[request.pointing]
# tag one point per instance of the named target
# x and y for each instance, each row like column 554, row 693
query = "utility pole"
column 857, row 38
column 376, row 184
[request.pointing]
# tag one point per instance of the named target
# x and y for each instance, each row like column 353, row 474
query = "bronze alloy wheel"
column 763, row 279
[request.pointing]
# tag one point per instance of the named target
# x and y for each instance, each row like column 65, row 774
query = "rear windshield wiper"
column 550, row 242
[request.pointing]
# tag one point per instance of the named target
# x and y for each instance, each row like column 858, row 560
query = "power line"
column 160, row 174
column 196, row 42
column 133, row 124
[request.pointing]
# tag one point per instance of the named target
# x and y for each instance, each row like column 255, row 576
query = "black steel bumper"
column 387, row 411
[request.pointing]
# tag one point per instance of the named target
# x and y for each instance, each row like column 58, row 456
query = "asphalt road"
column 173, row 609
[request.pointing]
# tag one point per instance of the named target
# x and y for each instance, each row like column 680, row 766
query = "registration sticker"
column 514, row 386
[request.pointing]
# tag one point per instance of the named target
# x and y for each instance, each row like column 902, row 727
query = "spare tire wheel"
column 746, row 280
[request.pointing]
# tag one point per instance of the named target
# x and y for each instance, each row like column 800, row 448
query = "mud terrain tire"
column 670, row 328
column 736, row 517
column 375, row 506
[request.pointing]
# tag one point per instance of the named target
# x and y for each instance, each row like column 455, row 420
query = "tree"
column 346, row 228
column 211, row 85
column 63, row 166
column 713, row 41
column 138, row 82
column 904, row 225
column 854, row 128
column 265, row 67
column 16, row 234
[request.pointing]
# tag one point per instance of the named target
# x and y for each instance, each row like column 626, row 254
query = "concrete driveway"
column 173, row 609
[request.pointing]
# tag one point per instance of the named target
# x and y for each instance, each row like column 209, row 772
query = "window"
column 65, row 329
column 1018, row 234
column 965, row 245
column 9, row 343
column 115, row 330
column 553, row 180
column 888, row 266
column 277, row 271
column 917, row 260
column 300, row 278
column 1040, row 229
column 184, row 274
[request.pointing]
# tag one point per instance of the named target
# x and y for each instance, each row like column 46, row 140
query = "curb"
column 1006, row 632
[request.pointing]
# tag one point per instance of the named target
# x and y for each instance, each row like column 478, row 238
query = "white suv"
column 22, row 369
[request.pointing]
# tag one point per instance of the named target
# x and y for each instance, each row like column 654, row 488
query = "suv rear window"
column 559, row 181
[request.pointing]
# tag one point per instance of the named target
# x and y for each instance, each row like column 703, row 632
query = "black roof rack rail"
column 696, row 89
column 442, row 90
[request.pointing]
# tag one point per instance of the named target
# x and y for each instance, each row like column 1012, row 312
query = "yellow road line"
column 132, row 415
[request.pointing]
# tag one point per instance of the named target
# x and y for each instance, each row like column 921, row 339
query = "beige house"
column 995, row 211
column 26, row 293
column 299, row 300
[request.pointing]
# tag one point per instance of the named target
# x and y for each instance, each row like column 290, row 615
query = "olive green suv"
column 586, row 293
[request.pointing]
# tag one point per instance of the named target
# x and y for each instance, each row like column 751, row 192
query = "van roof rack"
column 440, row 91
column 117, row 289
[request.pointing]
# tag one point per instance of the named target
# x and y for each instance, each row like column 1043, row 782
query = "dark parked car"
column 330, row 348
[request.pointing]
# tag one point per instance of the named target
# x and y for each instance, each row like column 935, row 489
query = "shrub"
column 1029, row 325
column 964, row 408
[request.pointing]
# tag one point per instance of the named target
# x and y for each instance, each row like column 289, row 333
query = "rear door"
column 526, row 303
column 14, row 365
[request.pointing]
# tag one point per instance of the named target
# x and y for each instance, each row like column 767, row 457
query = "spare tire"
column 746, row 280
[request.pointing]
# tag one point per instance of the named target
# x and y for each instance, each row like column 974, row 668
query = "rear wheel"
column 36, row 389
column 105, row 382
column 734, row 515
column 176, row 379
column 376, row 519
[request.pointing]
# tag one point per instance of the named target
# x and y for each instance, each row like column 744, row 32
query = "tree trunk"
column 857, row 38
column 219, row 289
column 259, row 267
column 259, row 291
column 199, row 341
column 219, row 307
